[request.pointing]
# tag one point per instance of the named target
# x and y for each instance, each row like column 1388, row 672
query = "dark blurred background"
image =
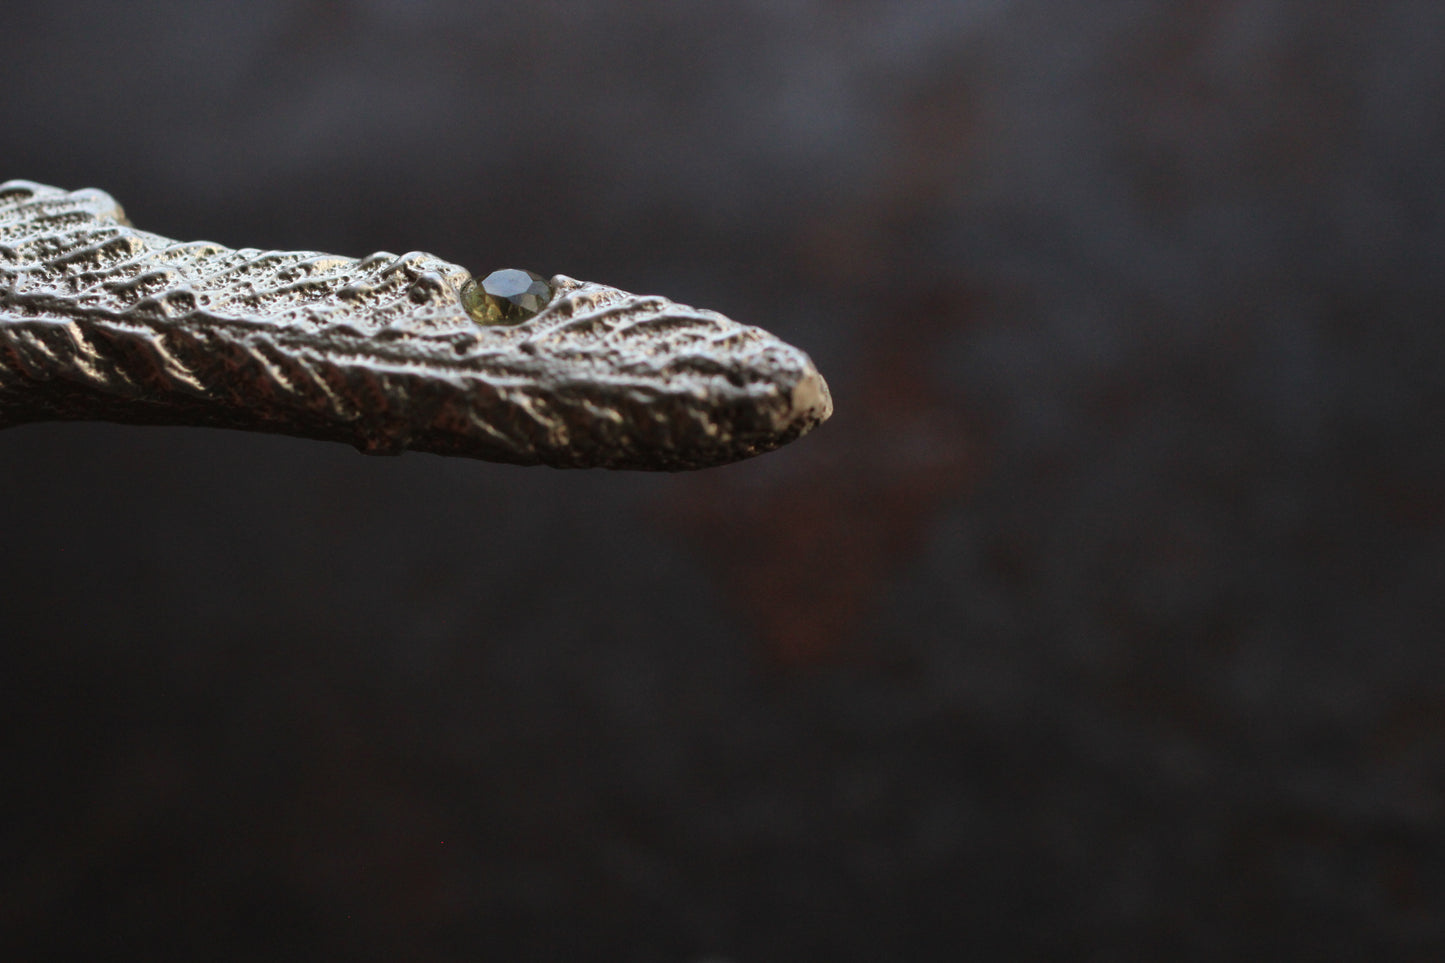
column 1105, row 620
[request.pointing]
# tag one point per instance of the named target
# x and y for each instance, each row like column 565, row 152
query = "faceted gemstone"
column 508, row 296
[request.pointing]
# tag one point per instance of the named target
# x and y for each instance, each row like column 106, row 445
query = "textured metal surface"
column 100, row 321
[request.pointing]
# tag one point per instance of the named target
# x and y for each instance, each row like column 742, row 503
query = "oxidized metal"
column 100, row 321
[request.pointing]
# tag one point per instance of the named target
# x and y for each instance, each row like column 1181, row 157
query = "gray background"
column 1103, row 621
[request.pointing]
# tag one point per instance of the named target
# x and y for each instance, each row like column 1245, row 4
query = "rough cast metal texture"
column 100, row 321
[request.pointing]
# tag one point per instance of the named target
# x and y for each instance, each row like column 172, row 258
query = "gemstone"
column 508, row 296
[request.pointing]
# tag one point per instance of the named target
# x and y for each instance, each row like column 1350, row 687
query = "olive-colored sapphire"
column 508, row 296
